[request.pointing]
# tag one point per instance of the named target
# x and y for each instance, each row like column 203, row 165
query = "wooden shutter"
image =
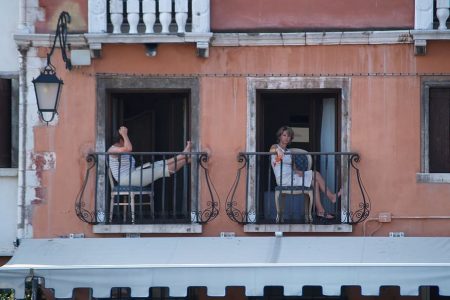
column 439, row 130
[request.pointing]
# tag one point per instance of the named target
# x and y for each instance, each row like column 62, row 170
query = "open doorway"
column 313, row 114
column 157, row 121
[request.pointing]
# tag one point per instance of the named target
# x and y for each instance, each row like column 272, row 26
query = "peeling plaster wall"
column 50, row 10
column 30, row 163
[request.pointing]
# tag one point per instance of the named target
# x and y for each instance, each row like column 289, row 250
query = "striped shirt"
column 125, row 167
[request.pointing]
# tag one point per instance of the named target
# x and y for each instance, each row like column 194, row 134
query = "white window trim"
column 424, row 176
column 104, row 84
column 296, row 83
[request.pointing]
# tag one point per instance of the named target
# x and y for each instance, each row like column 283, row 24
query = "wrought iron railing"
column 251, row 199
column 173, row 199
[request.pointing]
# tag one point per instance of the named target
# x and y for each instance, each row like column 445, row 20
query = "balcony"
column 253, row 199
column 149, row 22
column 125, row 201
column 431, row 23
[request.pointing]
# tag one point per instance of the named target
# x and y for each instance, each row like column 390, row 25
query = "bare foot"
column 188, row 148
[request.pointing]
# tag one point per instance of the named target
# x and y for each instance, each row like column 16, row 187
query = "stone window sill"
column 338, row 228
column 433, row 177
column 148, row 228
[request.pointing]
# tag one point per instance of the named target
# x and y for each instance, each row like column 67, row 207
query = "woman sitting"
column 287, row 174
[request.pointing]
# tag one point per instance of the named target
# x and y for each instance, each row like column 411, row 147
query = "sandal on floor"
column 326, row 216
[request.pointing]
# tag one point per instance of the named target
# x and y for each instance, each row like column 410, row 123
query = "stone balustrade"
column 425, row 12
column 442, row 13
column 156, row 16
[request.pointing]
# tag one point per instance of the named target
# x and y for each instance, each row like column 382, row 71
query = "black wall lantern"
column 47, row 85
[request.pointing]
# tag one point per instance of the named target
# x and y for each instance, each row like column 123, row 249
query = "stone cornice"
column 94, row 41
column 312, row 38
column 430, row 34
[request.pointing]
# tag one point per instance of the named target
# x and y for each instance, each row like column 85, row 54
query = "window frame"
column 108, row 83
column 424, row 176
column 296, row 83
column 14, row 119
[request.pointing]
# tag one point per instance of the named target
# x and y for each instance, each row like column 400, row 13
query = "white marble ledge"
column 84, row 40
column 148, row 228
column 125, row 38
column 431, row 34
column 312, row 38
column 336, row 228
column 46, row 40
column 8, row 172
column 238, row 39
column 433, row 177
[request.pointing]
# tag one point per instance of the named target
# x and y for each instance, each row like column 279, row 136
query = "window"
column 313, row 115
column 318, row 109
column 438, row 130
column 9, row 140
column 157, row 121
column 435, row 129
column 8, row 123
column 161, row 114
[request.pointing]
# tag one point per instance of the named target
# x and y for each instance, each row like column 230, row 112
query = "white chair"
column 282, row 191
column 127, row 191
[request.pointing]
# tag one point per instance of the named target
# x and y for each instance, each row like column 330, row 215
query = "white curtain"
column 328, row 141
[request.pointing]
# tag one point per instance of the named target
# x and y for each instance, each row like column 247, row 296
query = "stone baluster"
column 165, row 14
column 181, row 14
column 442, row 13
column 200, row 16
column 149, row 14
column 116, row 11
column 97, row 16
column 423, row 19
column 133, row 15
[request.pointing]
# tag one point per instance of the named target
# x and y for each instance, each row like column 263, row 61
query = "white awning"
column 216, row 263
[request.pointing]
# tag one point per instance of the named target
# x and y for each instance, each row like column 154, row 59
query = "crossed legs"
column 320, row 186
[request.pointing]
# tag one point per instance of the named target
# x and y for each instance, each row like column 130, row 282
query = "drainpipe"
column 22, row 182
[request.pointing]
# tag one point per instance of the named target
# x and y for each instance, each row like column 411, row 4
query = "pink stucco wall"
column 288, row 15
column 384, row 115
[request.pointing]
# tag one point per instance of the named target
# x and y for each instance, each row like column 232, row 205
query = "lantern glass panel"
column 47, row 94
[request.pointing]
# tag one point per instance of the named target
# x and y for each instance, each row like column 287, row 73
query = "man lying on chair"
column 150, row 172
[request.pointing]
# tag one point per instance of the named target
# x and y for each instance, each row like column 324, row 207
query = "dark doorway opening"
column 314, row 115
column 157, row 121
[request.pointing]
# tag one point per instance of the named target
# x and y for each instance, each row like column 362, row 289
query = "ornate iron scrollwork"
column 363, row 210
column 94, row 216
column 247, row 215
column 213, row 206
column 81, row 210
column 236, row 215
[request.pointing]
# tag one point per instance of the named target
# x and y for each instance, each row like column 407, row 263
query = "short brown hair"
column 289, row 131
